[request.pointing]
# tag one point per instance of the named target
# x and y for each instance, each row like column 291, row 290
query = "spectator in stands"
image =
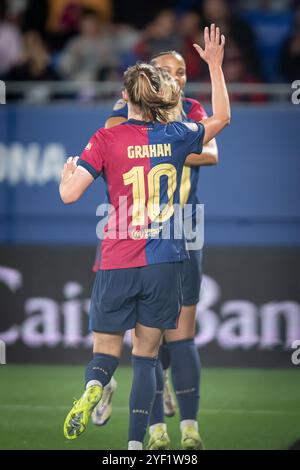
column 271, row 23
column 290, row 55
column 70, row 18
column 90, row 53
column 160, row 35
column 236, row 71
column 10, row 42
column 35, row 62
column 35, row 16
column 219, row 12
column 67, row 27
column 126, row 38
column 58, row 9
column 189, row 28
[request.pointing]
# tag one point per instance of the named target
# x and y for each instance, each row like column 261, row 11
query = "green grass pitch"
column 240, row 409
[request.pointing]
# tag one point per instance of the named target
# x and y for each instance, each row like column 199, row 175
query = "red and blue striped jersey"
column 142, row 165
column 192, row 111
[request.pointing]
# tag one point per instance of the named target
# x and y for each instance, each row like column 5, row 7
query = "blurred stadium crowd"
column 95, row 40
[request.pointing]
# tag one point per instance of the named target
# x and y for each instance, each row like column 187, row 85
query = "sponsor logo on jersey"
column 119, row 104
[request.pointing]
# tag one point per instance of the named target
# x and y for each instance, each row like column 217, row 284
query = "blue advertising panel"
column 251, row 197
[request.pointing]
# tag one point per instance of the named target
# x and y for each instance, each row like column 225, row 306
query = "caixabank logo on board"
column 295, row 358
column 47, row 319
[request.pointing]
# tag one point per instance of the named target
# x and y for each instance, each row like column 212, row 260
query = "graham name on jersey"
column 149, row 151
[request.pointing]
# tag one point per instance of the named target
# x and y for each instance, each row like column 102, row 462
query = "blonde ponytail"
column 146, row 91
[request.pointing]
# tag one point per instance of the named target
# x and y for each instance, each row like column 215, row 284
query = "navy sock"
column 157, row 412
column 101, row 368
column 164, row 356
column 186, row 376
column 141, row 396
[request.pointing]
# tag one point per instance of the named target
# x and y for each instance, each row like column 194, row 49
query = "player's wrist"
column 215, row 66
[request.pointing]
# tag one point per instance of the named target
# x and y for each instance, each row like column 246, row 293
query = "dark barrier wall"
column 248, row 314
column 252, row 197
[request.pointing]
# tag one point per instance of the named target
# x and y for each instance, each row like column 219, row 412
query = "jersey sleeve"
column 120, row 109
column 196, row 111
column 92, row 157
column 193, row 136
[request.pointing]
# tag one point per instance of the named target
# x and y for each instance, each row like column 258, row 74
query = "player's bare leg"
column 146, row 341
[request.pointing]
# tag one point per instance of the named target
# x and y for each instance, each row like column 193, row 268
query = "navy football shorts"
column 150, row 295
column 192, row 274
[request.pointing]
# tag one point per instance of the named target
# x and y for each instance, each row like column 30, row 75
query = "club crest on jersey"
column 89, row 146
column 119, row 104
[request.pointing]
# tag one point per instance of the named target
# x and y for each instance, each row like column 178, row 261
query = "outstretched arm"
column 213, row 54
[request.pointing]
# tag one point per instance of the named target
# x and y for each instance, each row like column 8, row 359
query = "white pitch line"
column 240, row 411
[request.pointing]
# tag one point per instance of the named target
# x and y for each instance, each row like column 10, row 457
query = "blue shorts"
column 150, row 295
column 192, row 274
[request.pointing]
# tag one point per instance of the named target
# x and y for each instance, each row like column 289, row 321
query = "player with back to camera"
column 136, row 275
column 179, row 347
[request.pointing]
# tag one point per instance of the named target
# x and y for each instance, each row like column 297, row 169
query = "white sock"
column 135, row 445
column 107, row 387
column 93, row 382
column 110, row 384
column 154, row 426
column 188, row 422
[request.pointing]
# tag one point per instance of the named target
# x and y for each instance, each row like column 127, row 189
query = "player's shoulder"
column 193, row 108
column 101, row 137
column 103, row 132
column 100, row 133
column 113, row 134
column 120, row 109
column 118, row 129
column 179, row 130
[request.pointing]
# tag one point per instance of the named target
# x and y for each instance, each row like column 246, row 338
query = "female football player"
column 142, row 161
column 179, row 348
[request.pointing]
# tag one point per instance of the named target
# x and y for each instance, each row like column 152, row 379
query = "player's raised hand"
column 214, row 43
